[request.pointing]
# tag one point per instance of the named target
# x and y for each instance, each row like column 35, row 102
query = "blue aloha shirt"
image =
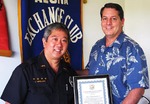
column 125, row 63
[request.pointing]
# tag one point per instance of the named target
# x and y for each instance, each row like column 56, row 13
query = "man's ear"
column 123, row 20
column 44, row 42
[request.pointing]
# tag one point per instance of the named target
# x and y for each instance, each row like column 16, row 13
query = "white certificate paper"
column 92, row 90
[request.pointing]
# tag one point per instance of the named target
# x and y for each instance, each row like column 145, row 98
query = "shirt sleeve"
column 137, row 70
column 16, row 88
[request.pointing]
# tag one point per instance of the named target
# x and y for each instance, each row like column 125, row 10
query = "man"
column 45, row 79
column 119, row 56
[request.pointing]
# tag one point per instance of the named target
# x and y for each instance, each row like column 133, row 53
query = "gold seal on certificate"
column 92, row 89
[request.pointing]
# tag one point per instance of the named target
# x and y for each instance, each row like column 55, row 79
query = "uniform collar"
column 43, row 64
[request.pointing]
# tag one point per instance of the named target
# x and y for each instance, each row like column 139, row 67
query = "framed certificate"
column 92, row 89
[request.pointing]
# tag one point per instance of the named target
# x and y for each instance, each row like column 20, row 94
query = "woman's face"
column 56, row 45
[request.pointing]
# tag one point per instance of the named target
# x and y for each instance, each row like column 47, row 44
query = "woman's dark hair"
column 56, row 26
column 113, row 6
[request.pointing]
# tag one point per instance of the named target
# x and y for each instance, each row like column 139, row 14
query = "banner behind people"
column 35, row 15
column 4, row 34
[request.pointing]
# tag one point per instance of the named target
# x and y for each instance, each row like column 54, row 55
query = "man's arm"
column 82, row 72
column 134, row 96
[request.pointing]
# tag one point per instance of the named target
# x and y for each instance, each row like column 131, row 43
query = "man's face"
column 56, row 45
column 111, row 23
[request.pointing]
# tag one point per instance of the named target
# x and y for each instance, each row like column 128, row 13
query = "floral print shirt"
column 124, row 61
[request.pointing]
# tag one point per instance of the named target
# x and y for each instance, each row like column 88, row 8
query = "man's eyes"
column 113, row 19
column 104, row 18
column 54, row 39
column 63, row 40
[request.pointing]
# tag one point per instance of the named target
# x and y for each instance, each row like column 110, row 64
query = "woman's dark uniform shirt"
column 34, row 82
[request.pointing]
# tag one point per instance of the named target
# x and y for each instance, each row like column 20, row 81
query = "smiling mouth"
column 108, row 28
column 58, row 50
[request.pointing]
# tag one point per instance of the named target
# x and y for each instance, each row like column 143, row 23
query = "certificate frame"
column 92, row 89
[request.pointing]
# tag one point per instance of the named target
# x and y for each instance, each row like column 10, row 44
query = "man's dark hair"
column 113, row 6
column 56, row 26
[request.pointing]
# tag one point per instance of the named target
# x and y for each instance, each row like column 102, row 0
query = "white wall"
column 136, row 25
column 7, row 64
